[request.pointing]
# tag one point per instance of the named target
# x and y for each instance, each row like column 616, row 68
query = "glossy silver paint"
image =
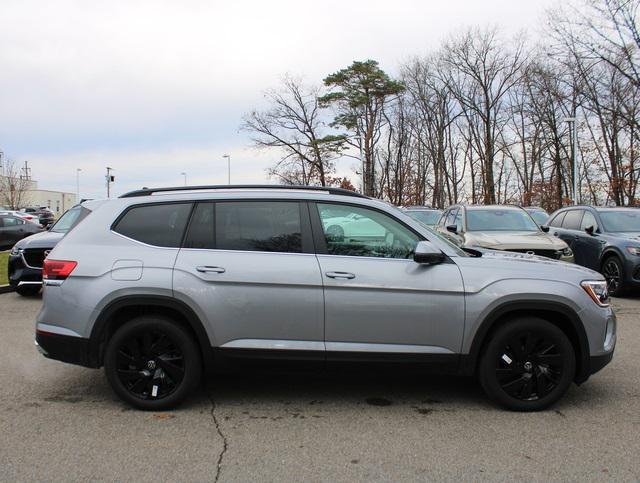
column 284, row 301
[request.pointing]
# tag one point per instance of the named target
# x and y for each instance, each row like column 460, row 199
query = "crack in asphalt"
column 220, row 433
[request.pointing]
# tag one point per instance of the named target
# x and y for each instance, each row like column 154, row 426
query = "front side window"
column 159, row 224
column 361, row 232
column 588, row 220
column 451, row 217
column 12, row 221
column 500, row 220
column 265, row 226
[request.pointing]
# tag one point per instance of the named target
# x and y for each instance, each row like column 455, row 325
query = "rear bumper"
column 65, row 348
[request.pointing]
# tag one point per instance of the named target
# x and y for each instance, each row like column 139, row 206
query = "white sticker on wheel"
column 505, row 358
column 154, row 391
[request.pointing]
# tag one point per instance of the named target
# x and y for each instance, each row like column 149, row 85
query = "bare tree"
column 294, row 124
column 14, row 186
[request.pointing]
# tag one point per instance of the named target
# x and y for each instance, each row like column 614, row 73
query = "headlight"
column 597, row 290
column 566, row 252
column 16, row 251
column 634, row 250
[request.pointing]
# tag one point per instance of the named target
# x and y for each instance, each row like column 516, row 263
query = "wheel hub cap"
column 528, row 366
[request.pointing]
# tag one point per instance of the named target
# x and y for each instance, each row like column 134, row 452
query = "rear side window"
column 160, row 225
column 572, row 220
column 557, row 220
column 271, row 226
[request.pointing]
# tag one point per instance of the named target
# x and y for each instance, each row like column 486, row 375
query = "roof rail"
column 150, row 191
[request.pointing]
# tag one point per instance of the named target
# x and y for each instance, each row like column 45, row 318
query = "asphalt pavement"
column 62, row 422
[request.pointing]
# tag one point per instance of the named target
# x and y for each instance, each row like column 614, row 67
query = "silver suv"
column 159, row 285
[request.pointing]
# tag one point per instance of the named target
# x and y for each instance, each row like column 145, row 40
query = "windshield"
column 540, row 217
column 619, row 221
column 500, row 220
column 69, row 219
column 428, row 217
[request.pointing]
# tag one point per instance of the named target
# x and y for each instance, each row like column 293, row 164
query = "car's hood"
column 44, row 239
column 631, row 235
column 509, row 265
column 514, row 240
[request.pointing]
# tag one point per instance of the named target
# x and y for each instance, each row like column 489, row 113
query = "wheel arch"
column 559, row 314
column 611, row 250
column 121, row 310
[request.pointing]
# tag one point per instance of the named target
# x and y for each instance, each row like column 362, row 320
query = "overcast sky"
column 154, row 88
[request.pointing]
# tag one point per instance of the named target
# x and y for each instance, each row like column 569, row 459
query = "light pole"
column 110, row 179
column 574, row 157
column 185, row 178
column 228, row 156
column 78, row 184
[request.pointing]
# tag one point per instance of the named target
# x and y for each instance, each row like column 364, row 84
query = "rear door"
column 377, row 299
column 248, row 266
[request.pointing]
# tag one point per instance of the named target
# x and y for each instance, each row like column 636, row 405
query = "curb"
column 6, row 289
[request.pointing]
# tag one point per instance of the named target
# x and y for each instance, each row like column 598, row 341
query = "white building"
column 56, row 201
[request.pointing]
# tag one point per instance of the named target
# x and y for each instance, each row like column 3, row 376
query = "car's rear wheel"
column 152, row 363
column 527, row 365
column 613, row 272
column 28, row 290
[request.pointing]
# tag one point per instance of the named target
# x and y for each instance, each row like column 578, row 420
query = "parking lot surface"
column 61, row 422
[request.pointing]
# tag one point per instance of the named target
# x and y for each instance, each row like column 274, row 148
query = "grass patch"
column 4, row 277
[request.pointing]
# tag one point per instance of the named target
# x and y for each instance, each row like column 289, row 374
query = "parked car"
column 603, row 239
column 14, row 228
column 44, row 214
column 155, row 284
column 424, row 214
column 501, row 227
column 21, row 214
column 539, row 215
column 27, row 256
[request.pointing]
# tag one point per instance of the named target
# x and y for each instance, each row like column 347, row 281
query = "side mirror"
column 452, row 228
column 590, row 230
column 427, row 253
column 544, row 228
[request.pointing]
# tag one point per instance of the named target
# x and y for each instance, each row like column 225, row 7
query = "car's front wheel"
column 152, row 363
column 527, row 365
column 613, row 272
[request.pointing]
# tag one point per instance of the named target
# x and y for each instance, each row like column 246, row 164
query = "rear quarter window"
column 160, row 224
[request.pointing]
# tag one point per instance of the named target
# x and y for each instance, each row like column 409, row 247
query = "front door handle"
column 346, row 275
column 208, row 269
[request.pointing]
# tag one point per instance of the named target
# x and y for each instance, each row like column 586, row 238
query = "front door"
column 377, row 299
column 250, row 267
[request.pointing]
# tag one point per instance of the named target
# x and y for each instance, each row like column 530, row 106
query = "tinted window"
column 557, row 220
column 621, row 221
column 201, row 226
column 355, row 231
column 572, row 220
column 588, row 220
column 500, row 220
column 258, row 226
column 160, row 224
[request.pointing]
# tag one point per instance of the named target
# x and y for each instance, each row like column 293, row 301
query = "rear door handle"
column 207, row 269
column 346, row 275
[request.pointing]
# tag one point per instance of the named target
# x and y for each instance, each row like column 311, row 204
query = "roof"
column 248, row 187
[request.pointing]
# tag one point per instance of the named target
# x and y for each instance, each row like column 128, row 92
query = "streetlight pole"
column 228, row 156
column 109, row 181
column 78, row 184
column 574, row 157
column 185, row 178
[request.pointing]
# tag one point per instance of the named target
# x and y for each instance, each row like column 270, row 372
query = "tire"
column 152, row 363
column 28, row 290
column 613, row 271
column 527, row 365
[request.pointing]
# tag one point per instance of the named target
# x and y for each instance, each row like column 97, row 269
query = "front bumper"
column 21, row 273
column 598, row 362
column 65, row 348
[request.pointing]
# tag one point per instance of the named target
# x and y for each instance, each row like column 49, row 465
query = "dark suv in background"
column 44, row 214
column 27, row 256
column 603, row 239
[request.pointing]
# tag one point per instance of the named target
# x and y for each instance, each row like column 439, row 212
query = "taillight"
column 57, row 269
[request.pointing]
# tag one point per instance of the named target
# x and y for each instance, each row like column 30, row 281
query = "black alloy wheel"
column 152, row 363
column 614, row 275
column 527, row 365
